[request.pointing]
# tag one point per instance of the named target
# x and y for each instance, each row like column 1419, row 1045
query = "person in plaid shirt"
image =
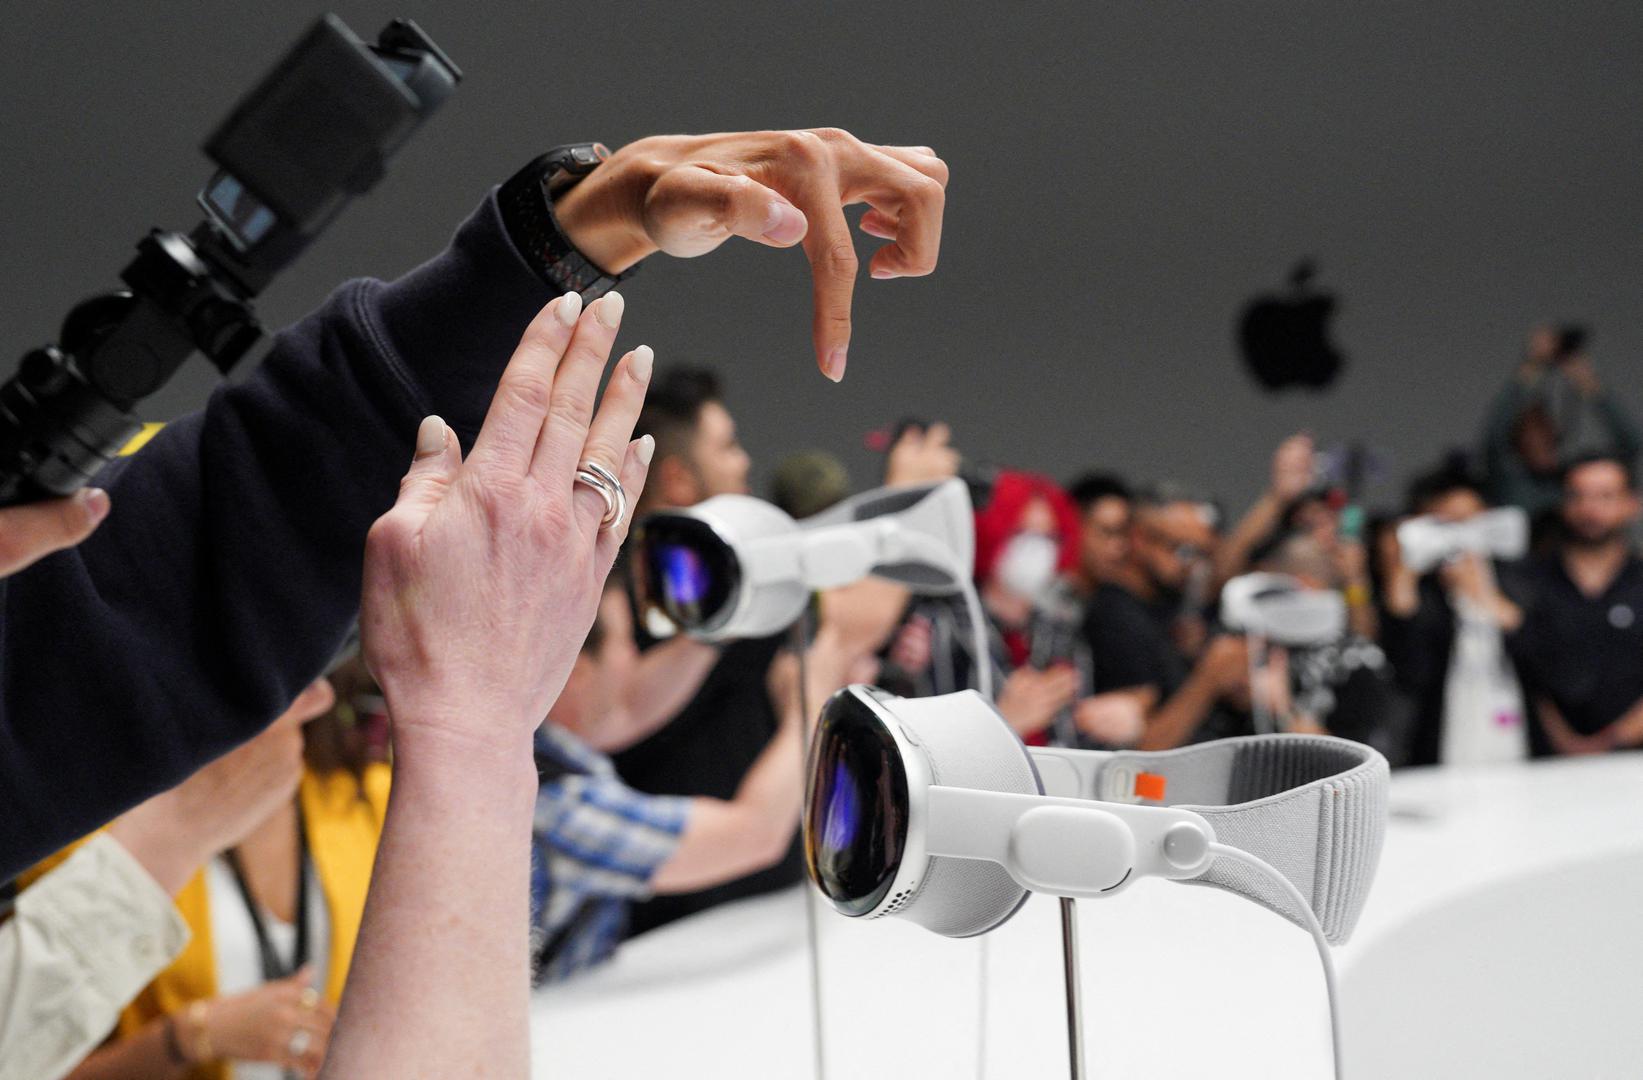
column 599, row 845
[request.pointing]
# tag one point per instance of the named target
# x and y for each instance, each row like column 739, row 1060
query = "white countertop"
column 1500, row 940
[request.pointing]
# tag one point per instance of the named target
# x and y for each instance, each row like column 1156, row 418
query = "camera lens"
column 688, row 571
column 855, row 821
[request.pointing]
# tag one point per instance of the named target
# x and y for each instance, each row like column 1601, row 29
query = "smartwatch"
column 526, row 202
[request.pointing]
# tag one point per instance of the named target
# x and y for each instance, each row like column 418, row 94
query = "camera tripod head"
column 314, row 133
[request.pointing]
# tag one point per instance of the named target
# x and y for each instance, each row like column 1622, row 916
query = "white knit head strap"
column 1311, row 806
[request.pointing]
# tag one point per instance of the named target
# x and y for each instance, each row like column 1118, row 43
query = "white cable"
column 978, row 634
column 1265, row 869
column 937, row 554
column 983, row 679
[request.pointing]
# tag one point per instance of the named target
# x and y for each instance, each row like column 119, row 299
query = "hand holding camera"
column 31, row 532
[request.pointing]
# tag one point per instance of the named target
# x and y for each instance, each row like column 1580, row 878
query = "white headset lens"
column 855, row 824
column 687, row 570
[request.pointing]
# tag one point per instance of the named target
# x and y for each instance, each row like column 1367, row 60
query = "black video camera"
column 315, row 132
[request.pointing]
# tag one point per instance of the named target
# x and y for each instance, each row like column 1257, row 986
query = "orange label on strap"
column 1149, row 786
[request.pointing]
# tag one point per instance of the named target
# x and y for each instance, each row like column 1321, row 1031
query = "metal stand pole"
column 800, row 642
column 1075, row 1005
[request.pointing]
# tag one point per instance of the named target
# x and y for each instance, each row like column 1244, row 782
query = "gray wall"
column 1123, row 177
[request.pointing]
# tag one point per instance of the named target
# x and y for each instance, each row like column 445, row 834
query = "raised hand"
column 480, row 585
column 922, row 456
column 483, row 579
column 687, row 194
column 1293, row 467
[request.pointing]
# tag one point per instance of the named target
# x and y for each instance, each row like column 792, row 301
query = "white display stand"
column 1500, row 940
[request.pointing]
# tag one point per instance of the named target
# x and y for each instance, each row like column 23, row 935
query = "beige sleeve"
column 81, row 942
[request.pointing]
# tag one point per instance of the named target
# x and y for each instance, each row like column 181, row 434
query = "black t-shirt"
column 1128, row 645
column 707, row 750
column 1583, row 653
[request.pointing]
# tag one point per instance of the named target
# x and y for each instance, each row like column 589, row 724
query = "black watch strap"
column 526, row 202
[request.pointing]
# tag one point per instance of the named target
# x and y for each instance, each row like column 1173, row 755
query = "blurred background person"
column 1147, row 597
column 272, row 922
column 698, row 730
column 1026, row 536
column 1105, row 507
column 1298, row 499
column 806, row 483
column 1580, row 646
column 86, row 936
column 1293, row 473
column 1027, row 542
column 1553, row 409
column 1344, row 686
column 1445, row 632
column 1174, row 541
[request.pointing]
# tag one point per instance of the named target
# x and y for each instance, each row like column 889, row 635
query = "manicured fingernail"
column 783, row 223
column 568, row 307
column 430, row 436
column 646, row 449
column 94, row 503
column 884, row 275
column 834, row 368
column 610, row 310
column 643, row 359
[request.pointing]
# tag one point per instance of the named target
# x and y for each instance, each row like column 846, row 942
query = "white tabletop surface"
column 1501, row 939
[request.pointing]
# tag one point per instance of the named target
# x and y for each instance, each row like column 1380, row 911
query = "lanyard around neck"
column 273, row 967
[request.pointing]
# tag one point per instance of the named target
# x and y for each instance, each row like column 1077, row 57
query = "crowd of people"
column 517, row 764
column 1105, row 596
column 1103, row 603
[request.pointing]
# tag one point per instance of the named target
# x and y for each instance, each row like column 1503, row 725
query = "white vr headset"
column 737, row 567
column 1282, row 610
column 933, row 810
column 1427, row 542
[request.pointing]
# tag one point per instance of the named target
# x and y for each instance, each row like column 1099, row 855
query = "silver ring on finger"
column 602, row 480
column 301, row 1040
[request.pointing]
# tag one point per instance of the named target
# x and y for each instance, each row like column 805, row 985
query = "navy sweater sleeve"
column 228, row 572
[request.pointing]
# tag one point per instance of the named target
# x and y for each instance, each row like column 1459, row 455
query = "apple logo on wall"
column 1284, row 337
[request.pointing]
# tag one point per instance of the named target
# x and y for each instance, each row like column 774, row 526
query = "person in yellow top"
column 273, row 922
